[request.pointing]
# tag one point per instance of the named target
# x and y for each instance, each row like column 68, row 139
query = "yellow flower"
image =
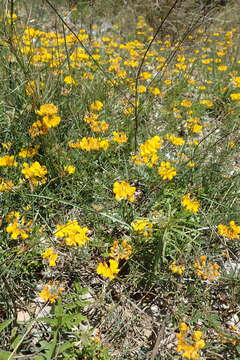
column 29, row 152
column 18, row 226
column 51, row 121
column 166, row 170
column 70, row 169
column 6, row 185
column 123, row 190
column 69, row 80
column 231, row 232
column 47, row 110
column 148, row 152
column 51, row 291
column 8, row 160
column 222, row 67
column 141, row 89
column 96, row 106
column 119, row 137
column 143, row 227
column 109, row 271
column 189, row 344
column 175, row 140
column 72, row 233
column 176, row 268
column 51, row 256
column 35, row 173
column 207, row 271
column 186, row 103
column 120, row 251
column 90, row 144
column 206, row 102
column 99, row 126
column 190, row 204
column 235, row 96
column 155, row 91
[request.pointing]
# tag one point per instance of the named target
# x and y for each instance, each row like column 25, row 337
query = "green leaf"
column 5, row 324
column 4, row 355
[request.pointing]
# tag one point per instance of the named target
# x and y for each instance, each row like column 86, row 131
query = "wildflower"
column 38, row 128
column 166, row 170
column 70, row 169
column 35, row 173
column 231, row 232
column 123, row 190
column 29, row 152
column 235, row 96
column 119, row 137
column 190, row 204
column 207, row 271
column 222, row 67
column 96, row 106
column 99, row 126
column 8, row 160
column 72, row 233
column 120, row 251
column 69, row 80
column 176, row 268
column 186, row 103
column 141, row 89
column 206, row 102
column 51, row 256
column 109, row 271
column 18, row 226
column 191, row 164
column 143, row 227
column 47, row 110
column 175, row 140
column 155, row 91
column 51, row 291
column 6, row 185
column 90, row 144
column 189, row 344
column 148, row 152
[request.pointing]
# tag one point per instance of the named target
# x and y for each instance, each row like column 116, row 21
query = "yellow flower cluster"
column 120, row 251
column 50, row 119
column 29, row 152
column 123, row 190
column 8, row 160
column 69, row 80
column 166, row 170
column 51, row 256
column 70, row 169
column 175, row 140
column 117, row 252
column 96, row 106
column 190, row 204
column 235, row 96
column 72, row 233
column 18, row 227
column 189, row 344
column 32, row 87
column 35, row 173
column 6, row 185
column 176, row 268
column 231, row 232
column 193, row 124
column 51, row 291
column 148, row 152
column 109, row 271
column 90, row 144
column 143, row 227
column 206, row 270
column 119, row 137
